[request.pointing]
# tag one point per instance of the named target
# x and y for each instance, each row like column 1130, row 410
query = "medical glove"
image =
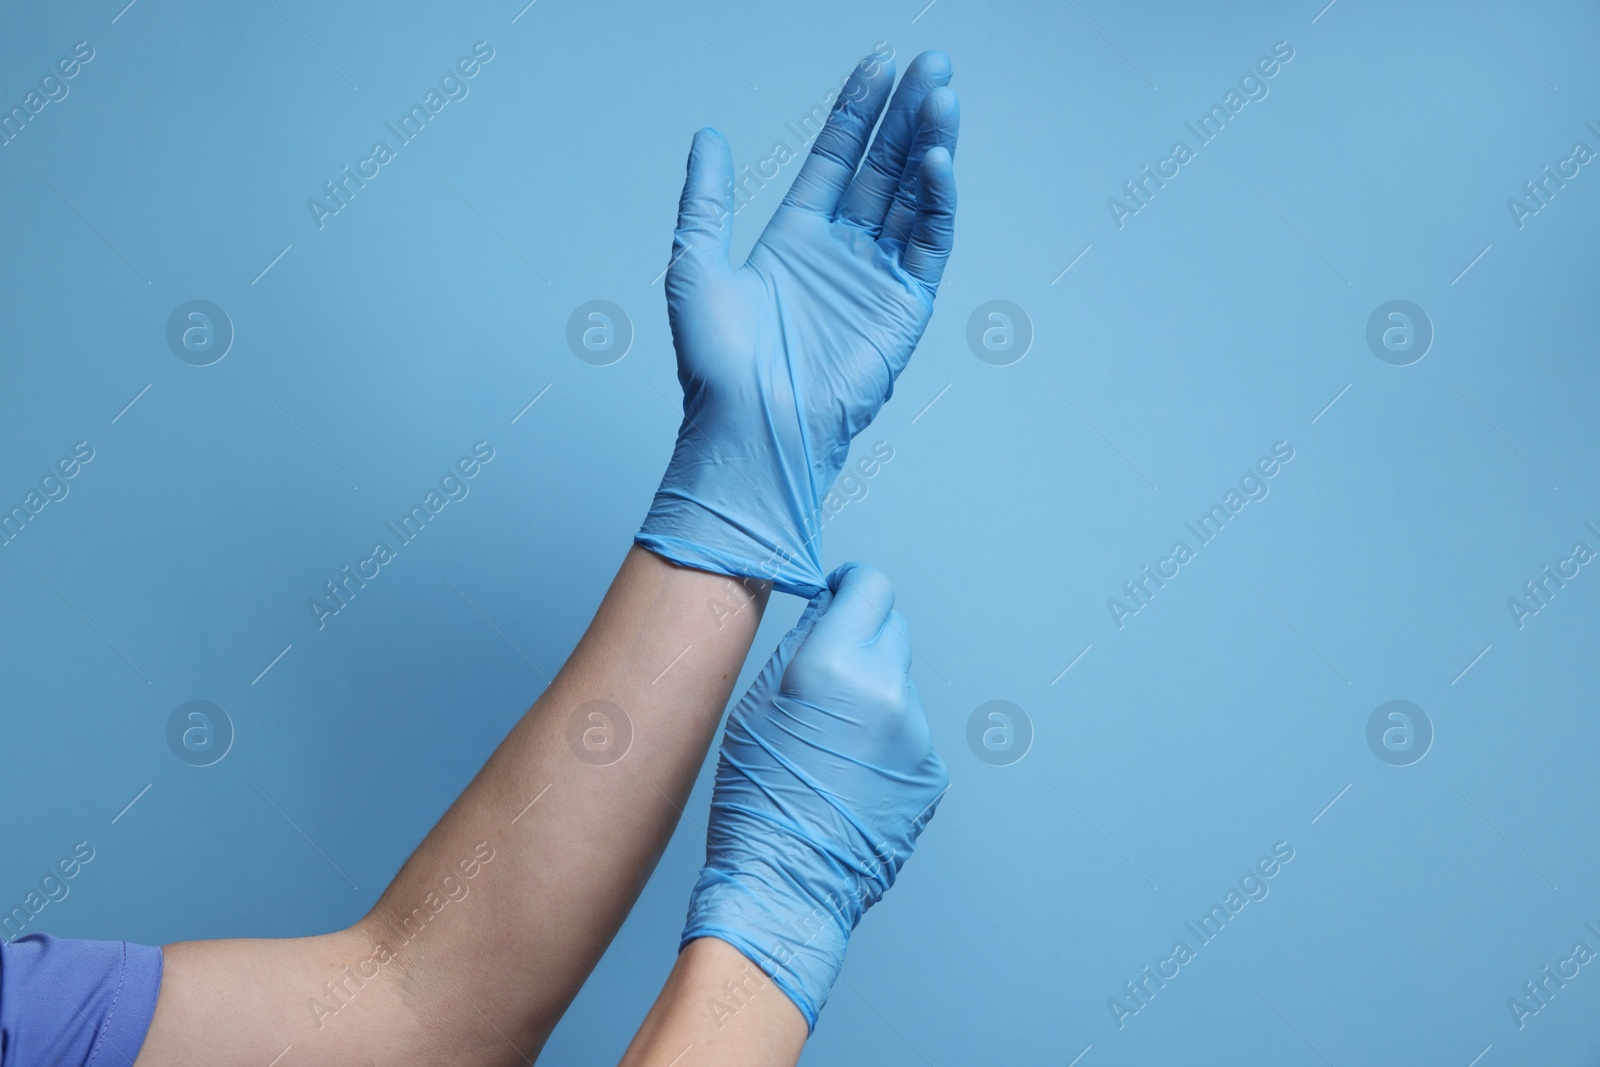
column 787, row 358
column 825, row 779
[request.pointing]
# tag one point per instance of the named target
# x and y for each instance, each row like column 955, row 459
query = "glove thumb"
column 863, row 597
column 705, row 211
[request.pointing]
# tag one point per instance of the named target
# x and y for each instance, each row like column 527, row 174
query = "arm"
column 490, row 928
column 825, row 781
column 719, row 1004
column 527, row 897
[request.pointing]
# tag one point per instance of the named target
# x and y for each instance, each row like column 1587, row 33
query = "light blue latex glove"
column 785, row 359
column 825, row 780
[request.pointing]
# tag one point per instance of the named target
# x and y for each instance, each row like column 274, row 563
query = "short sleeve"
column 75, row 1002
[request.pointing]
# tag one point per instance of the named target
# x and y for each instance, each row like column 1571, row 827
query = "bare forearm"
column 719, row 1007
column 565, row 822
column 492, row 925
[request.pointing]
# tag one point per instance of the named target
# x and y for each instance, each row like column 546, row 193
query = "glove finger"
column 938, row 126
column 896, row 641
column 837, row 150
column 938, row 778
column 765, row 686
column 705, row 211
column 933, row 229
column 815, row 608
column 863, row 597
column 867, row 200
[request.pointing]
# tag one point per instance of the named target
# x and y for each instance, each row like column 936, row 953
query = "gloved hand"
column 825, row 780
column 785, row 359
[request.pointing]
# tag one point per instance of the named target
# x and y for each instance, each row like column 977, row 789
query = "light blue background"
column 1221, row 319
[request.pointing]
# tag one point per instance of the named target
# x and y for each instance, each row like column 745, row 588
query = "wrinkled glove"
column 825, row 780
column 785, row 359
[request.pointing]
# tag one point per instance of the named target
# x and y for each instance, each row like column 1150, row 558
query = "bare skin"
column 718, row 1010
column 490, row 928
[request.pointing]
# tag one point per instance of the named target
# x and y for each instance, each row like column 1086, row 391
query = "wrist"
column 793, row 931
column 717, row 1002
column 717, row 511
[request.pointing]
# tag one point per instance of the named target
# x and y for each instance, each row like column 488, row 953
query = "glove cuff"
column 708, row 515
column 808, row 1009
column 796, row 941
column 792, row 577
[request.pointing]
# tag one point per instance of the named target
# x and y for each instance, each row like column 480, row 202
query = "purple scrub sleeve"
column 77, row 1003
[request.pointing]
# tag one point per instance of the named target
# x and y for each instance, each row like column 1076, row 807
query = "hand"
column 785, row 359
column 825, row 780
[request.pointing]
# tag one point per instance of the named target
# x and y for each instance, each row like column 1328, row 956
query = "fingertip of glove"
column 933, row 63
column 862, row 577
column 874, row 67
column 865, row 593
